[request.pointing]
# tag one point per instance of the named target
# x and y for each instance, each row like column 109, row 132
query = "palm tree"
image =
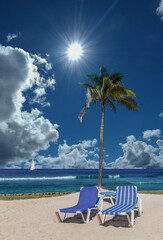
column 107, row 88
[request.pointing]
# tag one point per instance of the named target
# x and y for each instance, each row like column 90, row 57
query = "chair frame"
column 79, row 212
column 130, row 219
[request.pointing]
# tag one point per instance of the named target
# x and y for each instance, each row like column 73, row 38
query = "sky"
column 40, row 94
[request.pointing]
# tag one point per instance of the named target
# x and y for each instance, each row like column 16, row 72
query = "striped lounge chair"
column 126, row 202
column 88, row 198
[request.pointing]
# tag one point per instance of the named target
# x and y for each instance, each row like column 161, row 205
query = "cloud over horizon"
column 23, row 133
column 71, row 157
column 140, row 155
column 74, row 156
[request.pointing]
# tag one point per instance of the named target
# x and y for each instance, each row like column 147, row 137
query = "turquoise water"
column 50, row 180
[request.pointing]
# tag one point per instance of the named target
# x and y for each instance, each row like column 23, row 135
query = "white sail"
column 32, row 165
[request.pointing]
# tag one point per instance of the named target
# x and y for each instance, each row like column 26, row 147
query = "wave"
column 38, row 178
column 143, row 175
column 58, row 178
column 114, row 176
column 96, row 176
column 148, row 183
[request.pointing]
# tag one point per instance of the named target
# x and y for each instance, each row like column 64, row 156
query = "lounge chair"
column 126, row 202
column 88, row 199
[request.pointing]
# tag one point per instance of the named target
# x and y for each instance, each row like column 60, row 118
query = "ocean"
column 14, row 181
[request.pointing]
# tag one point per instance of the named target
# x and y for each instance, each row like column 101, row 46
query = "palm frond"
column 117, row 90
column 96, row 93
column 103, row 73
column 116, row 77
column 89, row 97
column 103, row 85
column 88, row 85
column 107, row 83
column 131, row 93
column 126, row 101
column 82, row 112
column 94, row 77
column 111, row 105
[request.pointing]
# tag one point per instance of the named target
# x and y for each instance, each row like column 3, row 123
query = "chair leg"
column 132, row 217
column 83, row 217
column 64, row 217
column 58, row 217
column 103, row 220
column 99, row 219
column 88, row 215
column 140, row 208
column 101, row 200
column 111, row 199
column 131, row 221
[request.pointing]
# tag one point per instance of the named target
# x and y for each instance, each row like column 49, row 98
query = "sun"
column 74, row 51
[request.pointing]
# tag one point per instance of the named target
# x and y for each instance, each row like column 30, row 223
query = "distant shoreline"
column 21, row 196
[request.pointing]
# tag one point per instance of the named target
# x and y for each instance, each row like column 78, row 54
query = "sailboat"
column 32, row 165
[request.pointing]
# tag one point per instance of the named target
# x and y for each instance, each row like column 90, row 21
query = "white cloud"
column 19, row 73
column 22, row 134
column 39, row 91
column 151, row 133
column 70, row 156
column 160, row 144
column 138, row 154
column 39, row 60
column 40, row 97
column 131, row 138
column 11, row 36
column 161, row 114
column 159, row 10
column 22, row 140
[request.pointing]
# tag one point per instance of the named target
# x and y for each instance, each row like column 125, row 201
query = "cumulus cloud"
column 160, row 144
column 39, row 60
column 19, row 73
column 138, row 154
column 22, row 140
column 159, row 10
column 70, row 156
column 11, row 36
column 23, row 134
column 151, row 133
column 161, row 114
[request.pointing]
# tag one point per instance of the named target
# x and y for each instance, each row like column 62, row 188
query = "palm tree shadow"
column 78, row 219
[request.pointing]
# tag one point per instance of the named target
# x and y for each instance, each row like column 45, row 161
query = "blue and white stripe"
column 126, row 200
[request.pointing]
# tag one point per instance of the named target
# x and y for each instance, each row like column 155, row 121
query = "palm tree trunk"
column 101, row 148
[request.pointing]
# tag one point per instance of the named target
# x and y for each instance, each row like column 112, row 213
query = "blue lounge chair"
column 88, row 199
column 126, row 202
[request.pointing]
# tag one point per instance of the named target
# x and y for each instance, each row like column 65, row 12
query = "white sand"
column 35, row 219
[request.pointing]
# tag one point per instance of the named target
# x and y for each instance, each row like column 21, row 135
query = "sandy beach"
column 35, row 219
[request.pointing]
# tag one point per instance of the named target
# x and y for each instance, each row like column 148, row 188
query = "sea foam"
column 38, row 178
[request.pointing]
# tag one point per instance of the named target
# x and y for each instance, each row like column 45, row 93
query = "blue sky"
column 41, row 96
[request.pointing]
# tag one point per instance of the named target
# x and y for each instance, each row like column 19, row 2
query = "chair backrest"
column 126, row 195
column 88, row 196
